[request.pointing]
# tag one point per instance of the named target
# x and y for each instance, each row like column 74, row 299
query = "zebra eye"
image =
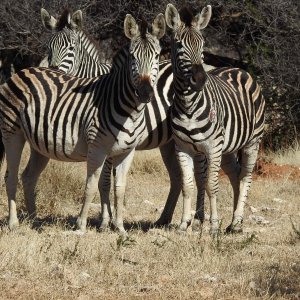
column 71, row 48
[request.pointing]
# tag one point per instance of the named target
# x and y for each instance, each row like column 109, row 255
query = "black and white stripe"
column 70, row 49
column 213, row 114
column 157, row 132
column 73, row 119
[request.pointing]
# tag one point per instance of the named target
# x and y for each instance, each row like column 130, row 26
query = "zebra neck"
column 192, row 104
column 88, row 58
column 184, row 96
column 124, row 98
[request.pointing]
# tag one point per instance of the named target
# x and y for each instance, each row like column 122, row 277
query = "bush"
column 259, row 36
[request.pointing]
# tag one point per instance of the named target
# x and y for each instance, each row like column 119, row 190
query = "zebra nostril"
column 198, row 77
column 145, row 90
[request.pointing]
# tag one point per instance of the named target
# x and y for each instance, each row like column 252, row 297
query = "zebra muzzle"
column 145, row 91
column 198, row 78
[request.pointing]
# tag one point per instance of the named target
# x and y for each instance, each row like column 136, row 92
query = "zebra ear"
column 49, row 22
column 76, row 20
column 172, row 17
column 201, row 20
column 159, row 26
column 130, row 27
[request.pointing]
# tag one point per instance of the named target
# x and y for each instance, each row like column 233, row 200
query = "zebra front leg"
column 187, row 173
column 200, row 163
column 212, row 188
column 13, row 147
column 36, row 164
column 95, row 160
column 249, row 156
column 122, row 165
column 104, row 188
column 170, row 160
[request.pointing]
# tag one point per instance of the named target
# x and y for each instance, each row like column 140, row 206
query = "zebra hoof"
column 119, row 228
column 162, row 222
column 81, row 224
column 215, row 233
column 233, row 229
column 104, row 226
column 13, row 224
column 122, row 232
column 197, row 226
column 184, row 226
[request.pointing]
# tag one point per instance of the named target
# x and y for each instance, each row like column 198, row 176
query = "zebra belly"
column 119, row 143
column 154, row 137
column 191, row 147
column 236, row 137
column 63, row 145
column 200, row 143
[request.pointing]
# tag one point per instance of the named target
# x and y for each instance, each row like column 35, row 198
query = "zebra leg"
column 36, row 164
column 200, row 163
column 13, row 150
column 104, row 188
column 232, row 169
column 95, row 162
column 169, row 158
column 212, row 188
column 187, row 172
column 248, row 160
column 122, row 165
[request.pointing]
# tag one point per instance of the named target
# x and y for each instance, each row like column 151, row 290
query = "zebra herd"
column 83, row 110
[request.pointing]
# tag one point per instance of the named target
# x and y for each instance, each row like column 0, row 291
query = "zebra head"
column 187, row 44
column 63, row 46
column 144, row 53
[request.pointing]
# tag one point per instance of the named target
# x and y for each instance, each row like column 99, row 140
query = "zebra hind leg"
column 104, row 188
column 36, row 164
column 248, row 160
column 232, row 169
column 200, row 163
column 212, row 189
column 169, row 158
column 13, row 147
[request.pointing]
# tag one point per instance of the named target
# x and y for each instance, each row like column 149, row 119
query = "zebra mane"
column 143, row 28
column 91, row 39
column 63, row 20
column 119, row 57
column 186, row 16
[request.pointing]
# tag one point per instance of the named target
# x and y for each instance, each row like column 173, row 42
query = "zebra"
column 157, row 133
column 213, row 116
column 70, row 49
column 75, row 119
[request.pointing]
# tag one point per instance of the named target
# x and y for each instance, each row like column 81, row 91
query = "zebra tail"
column 2, row 150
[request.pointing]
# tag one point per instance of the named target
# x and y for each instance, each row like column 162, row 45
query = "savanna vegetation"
column 47, row 259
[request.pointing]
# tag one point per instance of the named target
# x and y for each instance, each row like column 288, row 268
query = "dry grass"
column 49, row 261
column 289, row 156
